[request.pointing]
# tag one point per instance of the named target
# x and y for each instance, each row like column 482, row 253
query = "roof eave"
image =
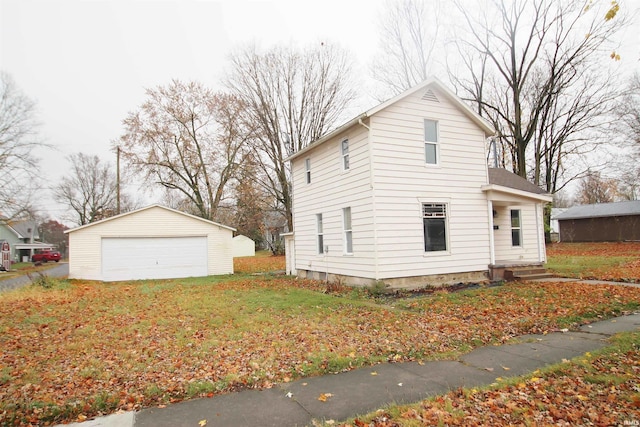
column 327, row 137
column 542, row 197
column 143, row 209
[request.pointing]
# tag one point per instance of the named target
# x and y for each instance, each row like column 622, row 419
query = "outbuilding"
column 155, row 242
column 602, row 222
column 243, row 246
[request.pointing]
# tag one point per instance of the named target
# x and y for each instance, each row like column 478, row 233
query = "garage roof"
column 146, row 208
column 601, row 210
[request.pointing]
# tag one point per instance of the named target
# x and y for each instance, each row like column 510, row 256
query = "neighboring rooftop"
column 601, row 210
column 504, row 178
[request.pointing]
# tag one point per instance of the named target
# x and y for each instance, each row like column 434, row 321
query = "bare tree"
column 595, row 189
column 409, row 35
column 629, row 111
column 532, row 53
column 18, row 139
column 293, row 98
column 89, row 190
column 189, row 140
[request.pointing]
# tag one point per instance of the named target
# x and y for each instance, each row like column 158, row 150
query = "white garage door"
column 134, row 258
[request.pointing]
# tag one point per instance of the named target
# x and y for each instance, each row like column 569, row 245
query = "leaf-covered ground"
column 616, row 261
column 602, row 389
column 83, row 349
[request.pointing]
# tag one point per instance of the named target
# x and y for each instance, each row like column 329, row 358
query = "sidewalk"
column 364, row 390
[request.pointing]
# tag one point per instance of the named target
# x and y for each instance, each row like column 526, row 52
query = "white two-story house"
column 402, row 194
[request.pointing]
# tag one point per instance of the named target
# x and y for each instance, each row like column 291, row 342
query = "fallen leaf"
column 202, row 423
column 324, row 396
column 374, row 373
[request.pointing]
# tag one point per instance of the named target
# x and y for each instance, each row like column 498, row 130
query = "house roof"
column 430, row 82
column 113, row 218
column 601, row 210
column 22, row 229
column 507, row 187
column 508, row 179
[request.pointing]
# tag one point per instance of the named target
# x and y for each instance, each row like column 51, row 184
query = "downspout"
column 492, row 250
column 540, row 232
column 376, row 268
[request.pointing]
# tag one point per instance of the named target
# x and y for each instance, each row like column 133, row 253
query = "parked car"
column 46, row 255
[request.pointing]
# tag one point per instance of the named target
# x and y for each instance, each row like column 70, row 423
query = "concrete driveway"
column 59, row 270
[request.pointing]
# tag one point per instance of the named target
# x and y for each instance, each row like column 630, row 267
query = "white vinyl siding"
column 347, row 230
column 331, row 191
column 398, row 144
column 505, row 252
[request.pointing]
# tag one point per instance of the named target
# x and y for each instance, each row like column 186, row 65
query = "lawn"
column 617, row 261
column 81, row 349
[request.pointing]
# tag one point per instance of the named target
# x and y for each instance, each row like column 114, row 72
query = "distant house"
column 402, row 193
column 154, row 242
column 275, row 226
column 243, row 246
column 23, row 237
column 602, row 222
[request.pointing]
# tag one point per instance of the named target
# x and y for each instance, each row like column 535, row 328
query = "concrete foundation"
column 414, row 282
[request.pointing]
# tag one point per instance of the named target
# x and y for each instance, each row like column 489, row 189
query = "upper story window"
column 431, row 141
column 434, row 226
column 307, row 164
column 516, row 228
column 345, row 154
column 348, row 232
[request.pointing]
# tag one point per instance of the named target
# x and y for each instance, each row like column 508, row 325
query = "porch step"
column 526, row 273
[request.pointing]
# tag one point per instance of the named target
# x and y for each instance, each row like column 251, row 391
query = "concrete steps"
column 526, row 273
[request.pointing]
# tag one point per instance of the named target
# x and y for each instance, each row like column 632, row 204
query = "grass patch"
column 584, row 266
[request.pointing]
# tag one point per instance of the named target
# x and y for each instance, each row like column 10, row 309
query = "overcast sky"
column 87, row 63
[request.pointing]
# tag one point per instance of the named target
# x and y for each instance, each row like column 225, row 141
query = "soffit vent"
column 430, row 96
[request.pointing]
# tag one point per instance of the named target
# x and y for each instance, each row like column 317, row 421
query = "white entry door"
column 134, row 258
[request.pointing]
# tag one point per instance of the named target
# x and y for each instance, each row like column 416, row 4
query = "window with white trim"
column 516, row 228
column 434, row 224
column 345, row 154
column 348, row 232
column 320, row 233
column 307, row 164
column 431, row 141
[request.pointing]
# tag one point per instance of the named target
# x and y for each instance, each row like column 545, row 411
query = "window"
column 431, row 142
column 348, row 233
column 307, row 164
column 320, row 234
column 345, row 154
column 516, row 228
column 434, row 223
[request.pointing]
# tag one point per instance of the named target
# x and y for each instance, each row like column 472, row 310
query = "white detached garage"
column 154, row 242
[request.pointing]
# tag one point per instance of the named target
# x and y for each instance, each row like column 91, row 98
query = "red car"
column 45, row 256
